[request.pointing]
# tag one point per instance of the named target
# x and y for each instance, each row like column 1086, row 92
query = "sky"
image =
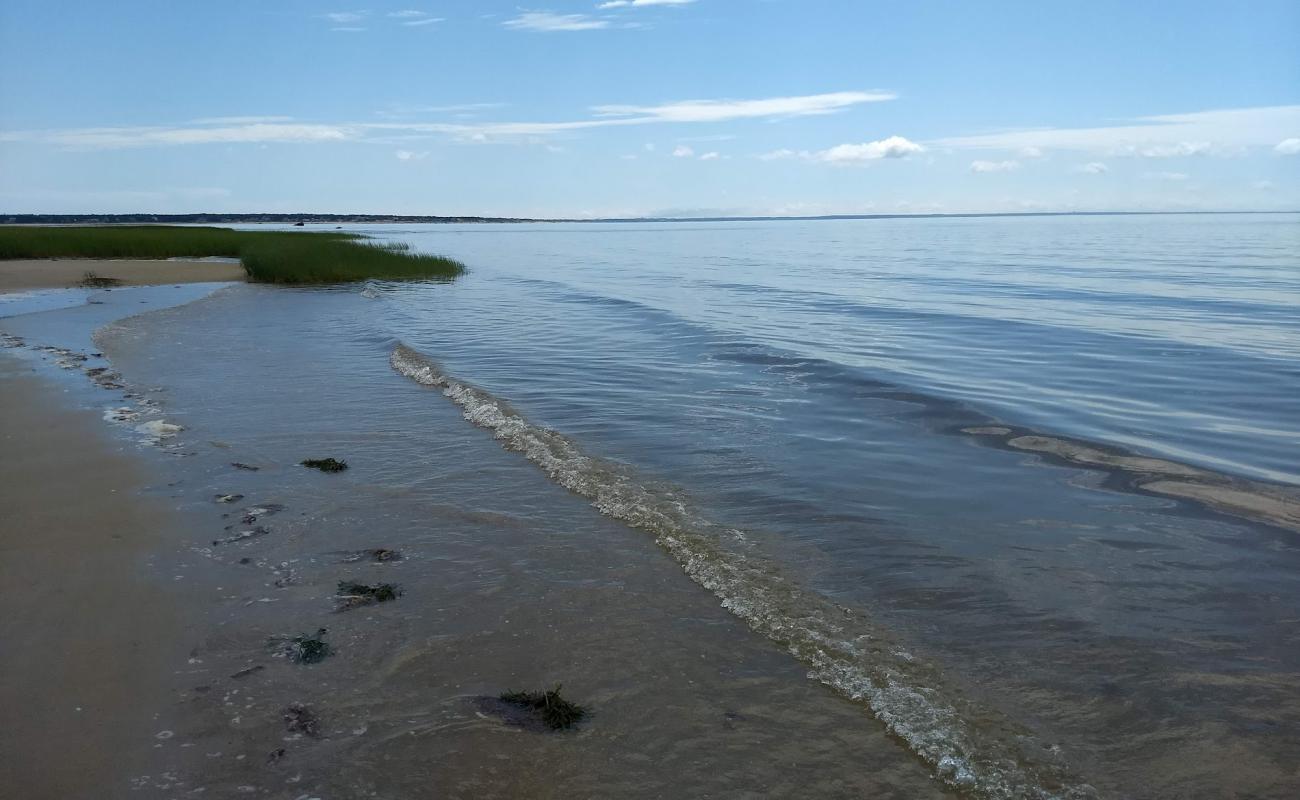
column 560, row 108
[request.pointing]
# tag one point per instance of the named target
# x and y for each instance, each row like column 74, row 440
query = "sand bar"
column 20, row 275
column 88, row 641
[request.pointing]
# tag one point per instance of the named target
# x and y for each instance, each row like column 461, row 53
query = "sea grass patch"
column 93, row 280
column 325, row 464
column 287, row 257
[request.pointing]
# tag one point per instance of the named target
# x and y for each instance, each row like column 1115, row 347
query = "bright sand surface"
column 19, row 275
column 88, row 644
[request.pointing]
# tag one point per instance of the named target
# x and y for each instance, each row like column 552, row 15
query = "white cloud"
column 1030, row 152
column 345, row 17
column 691, row 111
column 415, row 23
column 636, row 3
column 1219, row 132
column 548, row 22
column 893, row 147
column 994, row 166
column 237, row 120
column 1288, row 147
column 1092, row 168
column 722, row 110
column 407, row 14
column 682, row 151
column 710, row 156
column 409, row 155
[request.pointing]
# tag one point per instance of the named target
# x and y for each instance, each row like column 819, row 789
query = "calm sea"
column 834, row 508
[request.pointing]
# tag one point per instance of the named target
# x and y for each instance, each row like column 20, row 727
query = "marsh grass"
column 289, row 257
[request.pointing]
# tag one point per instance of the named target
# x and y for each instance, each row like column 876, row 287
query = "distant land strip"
column 408, row 219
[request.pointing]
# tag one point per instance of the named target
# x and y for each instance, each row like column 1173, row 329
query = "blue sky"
column 647, row 107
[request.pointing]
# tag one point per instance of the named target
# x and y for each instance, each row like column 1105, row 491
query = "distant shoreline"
column 409, row 219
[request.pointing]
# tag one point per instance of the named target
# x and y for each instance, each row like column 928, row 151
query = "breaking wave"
column 972, row 749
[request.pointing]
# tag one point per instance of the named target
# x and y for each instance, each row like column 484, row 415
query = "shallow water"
column 719, row 480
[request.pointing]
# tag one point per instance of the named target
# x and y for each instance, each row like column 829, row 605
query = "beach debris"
column 242, row 536
column 308, row 649
column 254, row 513
column 9, row 340
column 228, row 498
column 274, row 756
column 298, row 718
column 246, row 671
column 325, row 464
column 352, row 594
column 240, row 465
column 92, row 280
column 284, row 575
column 379, row 555
column 548, row 706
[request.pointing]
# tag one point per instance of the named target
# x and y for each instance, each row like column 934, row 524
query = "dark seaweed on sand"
column 325, row 464
column 309, row 649
column 353, row 594
column 298, row 718
column 549, row 706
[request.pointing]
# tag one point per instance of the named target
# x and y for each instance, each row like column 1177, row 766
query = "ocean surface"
column 987, row 507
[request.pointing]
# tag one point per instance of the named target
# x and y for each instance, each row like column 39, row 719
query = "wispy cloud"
column 344, row 17
column 639, row 3
column 692, row 111
column 407, row 14
column 722, row 110
column 415, row 23
column 1092, row 168
column 851, row 154
column 711, row 156
column 1219, row 132
column 1166, row 176
column 549, row 22
column 1288, row 147
column 682, row 151
column 994, row 166
column 411, row 155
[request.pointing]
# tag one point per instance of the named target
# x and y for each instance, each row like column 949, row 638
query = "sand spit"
column 22, row 275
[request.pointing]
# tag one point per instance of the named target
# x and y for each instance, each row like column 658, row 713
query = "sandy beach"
column 62, row 273
column 89, row 643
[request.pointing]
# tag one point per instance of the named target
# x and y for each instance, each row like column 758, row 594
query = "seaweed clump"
column 557, row 712
column 325, row 464
column 92, row 280
column 309, row 649
column 352, row 594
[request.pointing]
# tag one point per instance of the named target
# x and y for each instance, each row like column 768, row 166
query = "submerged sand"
column 86, row 641
column 21, row 275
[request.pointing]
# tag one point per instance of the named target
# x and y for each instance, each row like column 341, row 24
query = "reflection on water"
column 943, row 431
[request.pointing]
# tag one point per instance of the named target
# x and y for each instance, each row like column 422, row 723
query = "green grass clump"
column 325, row 464
column 288, row 257
column 553, row 709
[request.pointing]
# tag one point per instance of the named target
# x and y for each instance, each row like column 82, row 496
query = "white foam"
column 844, row 649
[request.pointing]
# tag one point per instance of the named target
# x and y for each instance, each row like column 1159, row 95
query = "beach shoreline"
column 91, row 638
column 63, row 273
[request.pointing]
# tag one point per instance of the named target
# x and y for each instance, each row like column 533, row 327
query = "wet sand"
column 62, row 273
column 88, row 642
